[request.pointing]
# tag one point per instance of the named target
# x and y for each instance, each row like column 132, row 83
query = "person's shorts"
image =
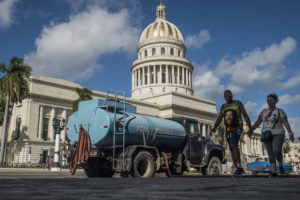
column 233, row 137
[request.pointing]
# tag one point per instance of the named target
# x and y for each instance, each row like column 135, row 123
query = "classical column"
column 154, row 74
column 148, row 76
column 63, row 132
column 134, row 74
column 132, row 79
column 173, row 74
column 167, row 74
column 143, row 75
column 137, row 78
column 178, row 76
column 140, row 77
column 41, row 118
column 204, row 130
column 190, row 78
column 51, row 135
column 160, row 74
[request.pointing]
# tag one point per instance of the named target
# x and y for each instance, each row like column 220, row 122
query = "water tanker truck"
column 139, row 146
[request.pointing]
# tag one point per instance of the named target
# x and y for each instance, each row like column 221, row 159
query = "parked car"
column 262, row 165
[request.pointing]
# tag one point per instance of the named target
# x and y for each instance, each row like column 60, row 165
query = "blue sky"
column 249, row 46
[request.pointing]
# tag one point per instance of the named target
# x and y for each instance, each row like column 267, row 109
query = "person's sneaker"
column 273, row 175
column 281, row 170
column 239, row 172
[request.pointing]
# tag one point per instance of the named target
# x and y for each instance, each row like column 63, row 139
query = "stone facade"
column 294, row 155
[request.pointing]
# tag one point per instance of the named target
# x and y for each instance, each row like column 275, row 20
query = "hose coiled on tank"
column 82, row 150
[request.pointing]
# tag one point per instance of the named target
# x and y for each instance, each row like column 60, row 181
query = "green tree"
column 2, row 110
column 220, row 136
column 14, row 87
column 83, row 95
column 286, row 146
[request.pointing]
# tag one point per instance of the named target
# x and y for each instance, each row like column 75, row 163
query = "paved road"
column 51, row 185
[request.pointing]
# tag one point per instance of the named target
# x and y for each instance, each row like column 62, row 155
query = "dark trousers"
column 274, row 148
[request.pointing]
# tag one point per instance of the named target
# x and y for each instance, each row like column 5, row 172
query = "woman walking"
column 273, row 119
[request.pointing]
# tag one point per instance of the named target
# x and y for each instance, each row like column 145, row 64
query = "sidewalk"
column 39, row 170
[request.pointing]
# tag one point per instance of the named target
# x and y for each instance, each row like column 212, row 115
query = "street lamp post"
column 29, row 157
column 57, row 128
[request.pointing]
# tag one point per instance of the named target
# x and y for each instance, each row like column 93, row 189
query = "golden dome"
column 161, row 29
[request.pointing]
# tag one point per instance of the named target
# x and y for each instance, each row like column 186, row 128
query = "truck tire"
column 143, row 165
column 97, row 167
column 254, row 173
column 214, row 167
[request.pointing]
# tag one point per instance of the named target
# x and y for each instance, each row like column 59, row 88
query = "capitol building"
column 162, row 86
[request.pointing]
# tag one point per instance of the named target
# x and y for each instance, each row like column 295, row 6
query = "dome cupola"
column 161, row 65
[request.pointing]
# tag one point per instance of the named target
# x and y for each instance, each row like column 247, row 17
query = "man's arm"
column 218, row 121
column 243, row 111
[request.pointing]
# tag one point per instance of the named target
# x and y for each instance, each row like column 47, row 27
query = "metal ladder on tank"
column 118, row 121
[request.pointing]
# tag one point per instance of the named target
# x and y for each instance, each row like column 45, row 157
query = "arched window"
column 146, row 53
column 153, row 52
column 172, row 52
column 163, row 51
column 179, row 52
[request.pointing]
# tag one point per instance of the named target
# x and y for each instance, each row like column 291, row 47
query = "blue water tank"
column 140, row 129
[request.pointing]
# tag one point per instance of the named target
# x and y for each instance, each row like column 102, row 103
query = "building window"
column 179, row 52
column 45, row 129
column 146, row 53
column 153, row 52
column 163, row 51
column 172, row 52
column 18, row 128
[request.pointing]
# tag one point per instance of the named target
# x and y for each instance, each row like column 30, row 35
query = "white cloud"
column 7, row 7
column 197, row 41
column 135, row 7
column 251, row 109
column 260, row 68
column 295, row 126
column 71, row 50
column 292, row 82
column 207, row 84
column 289, row 100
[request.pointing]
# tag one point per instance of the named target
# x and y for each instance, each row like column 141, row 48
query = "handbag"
column 267, row 135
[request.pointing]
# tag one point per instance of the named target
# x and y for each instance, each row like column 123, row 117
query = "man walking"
column 231, row 111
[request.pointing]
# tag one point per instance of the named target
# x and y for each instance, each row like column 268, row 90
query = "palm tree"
column 84, row 94
column 14, row 87
column 2, row 110
column 219, row 137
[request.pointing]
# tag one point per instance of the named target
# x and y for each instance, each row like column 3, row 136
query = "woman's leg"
column 277, row 143
column 272, row 159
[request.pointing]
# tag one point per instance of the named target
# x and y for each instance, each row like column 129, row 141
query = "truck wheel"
column 96, row 167
column 254, row 173
column 214, row 167
column 143, row 165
